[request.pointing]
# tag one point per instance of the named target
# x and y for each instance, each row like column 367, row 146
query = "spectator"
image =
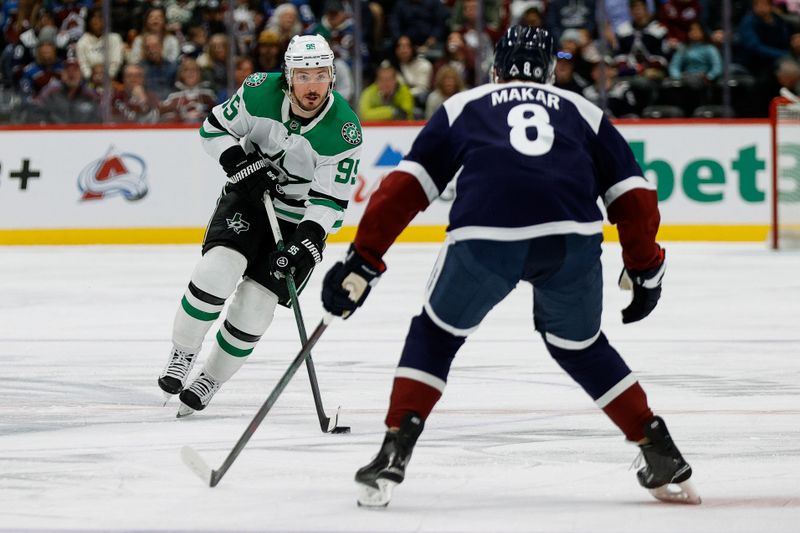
column 155, row 23
column 790, row 11
column 576, row 14
column 244, row 27
column 787, row 74
column 566, row 77
column 179, row 14
column 133, row 102
column 214, row 62
column 677, row 16
column 424, row 21
column 763, row 38
column 712, row 17
column 305, row 11
column 268, row 54
column 448, row 83
column 126, row 15
column 213, row 16
column 575, row 43
column 70, row 18
column 464, row 19
column 244, row 67
column 97, row 78
column 694, row 67
column 620, row 100
column 91, row 49
column 69, row 101
column 285, row 21
column 336, row 26
column 196, row 41
column 387, row 98
column 159, row 74
column 193, row 100
column 17, row 55
column 641, row 44
column 460, row 57
column 415, row 69
column 480, row 42
column 344, row 79
column 698, row 61
column 532, row 16
column 38, row 74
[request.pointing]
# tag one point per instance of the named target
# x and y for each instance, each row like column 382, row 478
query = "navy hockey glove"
column 347, row 284
column 646, row 287
column 302, row 253
column 251, row 174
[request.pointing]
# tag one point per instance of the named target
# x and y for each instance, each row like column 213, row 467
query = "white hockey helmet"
column 308, row 51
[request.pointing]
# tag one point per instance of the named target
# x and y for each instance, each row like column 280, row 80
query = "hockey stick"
column 195, row 462
column 326, row 424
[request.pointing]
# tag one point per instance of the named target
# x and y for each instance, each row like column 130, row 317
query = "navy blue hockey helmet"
column 525, row 53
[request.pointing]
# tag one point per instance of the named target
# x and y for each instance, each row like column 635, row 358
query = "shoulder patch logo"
column 351, row 133
column 256, row 79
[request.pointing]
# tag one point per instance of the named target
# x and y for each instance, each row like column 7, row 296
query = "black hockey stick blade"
column 333, row 424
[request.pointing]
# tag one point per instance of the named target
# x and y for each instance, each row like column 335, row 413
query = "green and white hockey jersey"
column 321, row 158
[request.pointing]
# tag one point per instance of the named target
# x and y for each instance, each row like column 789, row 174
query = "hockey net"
column 785, row 121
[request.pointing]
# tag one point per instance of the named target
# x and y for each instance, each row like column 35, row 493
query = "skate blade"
column 167, row 398
column 184, row 411
column 371, row 497
column 683, row 492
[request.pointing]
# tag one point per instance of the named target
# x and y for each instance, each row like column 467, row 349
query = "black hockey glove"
column 251, row 174
column 301, row 253
column 646, row 287
column 347, row 284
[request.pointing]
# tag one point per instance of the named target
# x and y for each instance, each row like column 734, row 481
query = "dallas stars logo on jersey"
column 237, row 223
column 351, row 134
column 256, row 79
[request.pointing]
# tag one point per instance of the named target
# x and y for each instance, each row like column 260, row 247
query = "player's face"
column 310, row 86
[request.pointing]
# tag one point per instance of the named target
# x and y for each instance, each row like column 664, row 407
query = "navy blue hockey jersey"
column 530, row 160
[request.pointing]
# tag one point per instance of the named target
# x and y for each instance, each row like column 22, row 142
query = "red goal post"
column 785, row 189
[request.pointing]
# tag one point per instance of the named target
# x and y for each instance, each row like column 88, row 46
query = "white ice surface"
column 514, row 445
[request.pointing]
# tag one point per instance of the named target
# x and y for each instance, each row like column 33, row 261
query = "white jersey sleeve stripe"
column 424, row 179
column 628, row 184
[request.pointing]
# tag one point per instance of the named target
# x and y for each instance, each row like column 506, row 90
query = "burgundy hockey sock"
column 629, row 411
column 410, row 395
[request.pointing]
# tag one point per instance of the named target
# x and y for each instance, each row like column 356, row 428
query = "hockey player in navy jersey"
column 531, row 162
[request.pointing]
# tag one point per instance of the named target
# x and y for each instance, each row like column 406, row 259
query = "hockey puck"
column 341, row 429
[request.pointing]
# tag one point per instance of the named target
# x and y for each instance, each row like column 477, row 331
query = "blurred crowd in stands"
column 171, row 61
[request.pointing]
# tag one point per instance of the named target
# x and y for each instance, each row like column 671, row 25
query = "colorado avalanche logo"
column 112, row 174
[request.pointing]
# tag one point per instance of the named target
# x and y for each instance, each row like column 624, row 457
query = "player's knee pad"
column 594, row 364
column 252, row 308
column 429, row 348
column 218, row 271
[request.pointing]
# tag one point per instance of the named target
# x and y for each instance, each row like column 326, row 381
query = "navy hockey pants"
column 471, row 277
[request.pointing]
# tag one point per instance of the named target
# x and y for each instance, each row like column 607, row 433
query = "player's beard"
column 305, row 110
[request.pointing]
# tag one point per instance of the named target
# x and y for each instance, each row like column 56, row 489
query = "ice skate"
column 377, row 480
column 197, row 395
column 173, row 377
column 665, row 474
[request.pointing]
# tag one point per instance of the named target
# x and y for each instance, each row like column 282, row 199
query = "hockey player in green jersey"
column 291, row 136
